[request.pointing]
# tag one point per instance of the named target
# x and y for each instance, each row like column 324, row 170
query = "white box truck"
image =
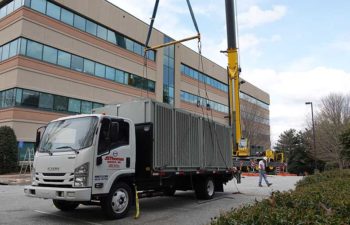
column 102, row 157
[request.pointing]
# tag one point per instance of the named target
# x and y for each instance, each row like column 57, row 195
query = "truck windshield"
column 68, row 135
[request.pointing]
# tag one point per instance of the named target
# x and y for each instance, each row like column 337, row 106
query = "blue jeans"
column 262, row 174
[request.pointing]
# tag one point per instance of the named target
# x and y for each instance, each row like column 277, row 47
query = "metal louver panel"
column 164, row 134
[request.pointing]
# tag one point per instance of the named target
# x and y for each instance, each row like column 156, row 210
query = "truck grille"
column 52, row 179
column 53, row 174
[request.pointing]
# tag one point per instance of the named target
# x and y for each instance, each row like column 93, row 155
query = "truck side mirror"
column 39, row 133
column 37, row 140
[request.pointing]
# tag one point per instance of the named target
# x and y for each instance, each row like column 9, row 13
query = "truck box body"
column 181, row 141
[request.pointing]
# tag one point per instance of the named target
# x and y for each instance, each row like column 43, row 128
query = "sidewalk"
column 15, row 179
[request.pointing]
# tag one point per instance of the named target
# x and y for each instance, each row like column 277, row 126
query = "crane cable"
column 210, row 120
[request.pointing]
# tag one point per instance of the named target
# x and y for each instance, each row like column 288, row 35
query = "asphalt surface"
column 183, row 208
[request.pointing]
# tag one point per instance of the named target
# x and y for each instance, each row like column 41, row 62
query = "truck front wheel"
column 205, row 188
column 65, row 205
column 117, row 204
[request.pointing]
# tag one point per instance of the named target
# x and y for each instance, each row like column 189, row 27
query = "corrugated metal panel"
column 196, row 142
column 182, row 139
column 209, row 144
column 164, row 135
column 221, row 146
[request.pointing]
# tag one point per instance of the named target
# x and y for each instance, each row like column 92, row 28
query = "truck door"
column 113, row 155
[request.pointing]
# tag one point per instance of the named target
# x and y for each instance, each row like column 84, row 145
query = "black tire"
column 65, row 205
column 117, row 204
column 169, row 191
column 205, row 188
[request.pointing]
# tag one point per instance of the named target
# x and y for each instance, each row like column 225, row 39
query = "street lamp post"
column 313, row 131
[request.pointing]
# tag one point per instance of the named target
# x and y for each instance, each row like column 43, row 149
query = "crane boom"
column 240, row 148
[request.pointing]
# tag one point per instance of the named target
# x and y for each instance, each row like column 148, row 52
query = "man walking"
column 262, row 172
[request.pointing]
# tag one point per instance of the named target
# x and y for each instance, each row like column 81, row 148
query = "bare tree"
column 255, row 124
column 330, row 122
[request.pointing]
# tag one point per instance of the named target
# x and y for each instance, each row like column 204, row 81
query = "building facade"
column 67, row 57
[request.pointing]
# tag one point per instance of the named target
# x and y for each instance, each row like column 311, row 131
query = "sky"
column 296, row 50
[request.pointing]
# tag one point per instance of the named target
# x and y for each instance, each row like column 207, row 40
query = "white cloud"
column 341, row 45
column 250, row 44
column 290, row 90
column 255, row 16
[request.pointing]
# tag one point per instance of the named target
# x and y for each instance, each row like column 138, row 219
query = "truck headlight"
column 81, row 175
column 33, row 176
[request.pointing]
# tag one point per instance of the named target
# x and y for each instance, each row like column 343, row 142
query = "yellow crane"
column 241, row 147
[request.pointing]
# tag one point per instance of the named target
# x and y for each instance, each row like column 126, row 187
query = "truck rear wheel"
column 65, row 205
column 117, row 204
column 205, row 188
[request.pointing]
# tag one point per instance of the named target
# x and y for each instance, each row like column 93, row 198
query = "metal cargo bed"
column 182, row 140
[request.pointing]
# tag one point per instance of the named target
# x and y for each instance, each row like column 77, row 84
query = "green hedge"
column 8, row 150
column 318, row 199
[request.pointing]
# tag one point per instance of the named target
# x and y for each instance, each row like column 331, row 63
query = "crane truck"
column 242, row 156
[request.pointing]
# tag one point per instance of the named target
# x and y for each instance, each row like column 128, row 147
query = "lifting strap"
column 155, row 9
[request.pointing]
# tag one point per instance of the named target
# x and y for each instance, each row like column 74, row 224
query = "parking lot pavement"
column 183, row 208
column 15, row 179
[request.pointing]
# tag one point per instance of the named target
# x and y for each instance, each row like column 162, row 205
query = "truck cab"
column 79, row 158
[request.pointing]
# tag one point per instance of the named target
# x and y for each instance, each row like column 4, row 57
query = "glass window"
column 39, row 5
column 151, row 86
column 1, row 100
column 8, row 98
column 171, row 78
column 0, row 53
column 46, row 101
column 50, row 55
column 137, row 48
column 110, row 73
column 60, row 103
column 129, row 44
column 91, row 27
column 138, row 81
column 13, row 48
column 121, row 41
column 111, row 37
column 2, row 12
column 77, row 63
column 23, row 46
column 86, row 107
column 67, row 17
column 18, row 3
column 102, row 32
column 79, row 22
column 9, row 7
column 64, row 59
column 27, row 3
column 186, row 70
column 30, row 98
column 119, row 76
column 131, row 80
column 171, row 51
column 97, row 105
column 5, row 52
column 74, row 105
column 34, row 50
column 89, row 67
column 18, row 96
column 151, row 55
column 100, row 70
column 53, row 10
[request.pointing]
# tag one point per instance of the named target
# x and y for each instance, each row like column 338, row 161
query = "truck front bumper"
column 67, row 194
